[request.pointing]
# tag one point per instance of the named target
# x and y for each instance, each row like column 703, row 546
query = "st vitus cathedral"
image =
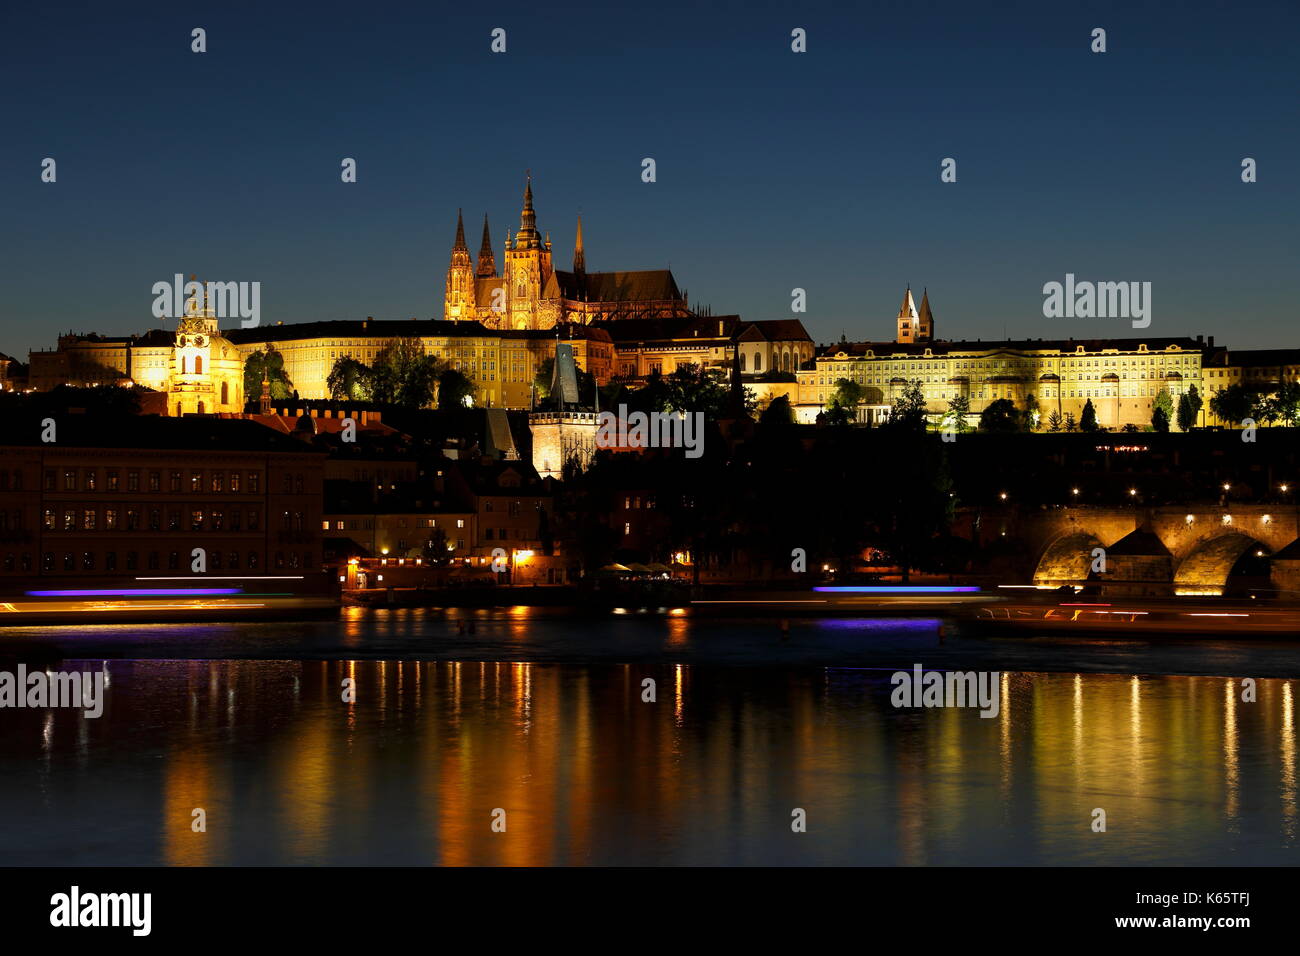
column 529, row 293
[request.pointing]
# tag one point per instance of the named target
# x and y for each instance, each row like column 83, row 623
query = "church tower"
column 907, row 319
column 207, row 374
column 527, row 268
column 925, row 321
column 487, row 262
column 459, row 300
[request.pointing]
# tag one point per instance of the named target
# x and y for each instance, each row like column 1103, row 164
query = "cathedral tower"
column 528, row 267
column 459, row 299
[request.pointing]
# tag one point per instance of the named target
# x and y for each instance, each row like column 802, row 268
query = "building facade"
column 1121, row 377
column 99, row 504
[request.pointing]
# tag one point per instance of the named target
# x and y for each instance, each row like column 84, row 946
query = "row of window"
column 368, row 524
column 91, row 561
column 88, row 479
column 156, row 519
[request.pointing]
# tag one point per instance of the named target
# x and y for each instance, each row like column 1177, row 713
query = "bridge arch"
column 1067, row 559
column 1210, row 561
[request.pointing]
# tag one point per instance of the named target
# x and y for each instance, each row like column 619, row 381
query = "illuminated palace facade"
column 1121, row 377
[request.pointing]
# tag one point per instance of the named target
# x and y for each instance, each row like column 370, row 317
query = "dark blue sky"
column 775, row 170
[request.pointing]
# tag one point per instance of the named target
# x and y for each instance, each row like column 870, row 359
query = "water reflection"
column 588, row 771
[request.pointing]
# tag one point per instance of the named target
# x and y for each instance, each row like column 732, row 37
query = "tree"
column 848, row 395
column 958, row 409
column 1000, row 416
column 268, row 363
column 908, row 412
column 1054, row 421
column 836, row 414
column 349, row 380
column 435, row 547
column 1287, row 403
column 1070, row 424
column 454, row 387
column 1186, row 416
column 1160, row 420
column 1194, row 400
column 778, row 412
column 1232, row 405
column 1088, row 420
column 1032, row 415
column 543, row 378
column 694, row 388
column 1164, row 403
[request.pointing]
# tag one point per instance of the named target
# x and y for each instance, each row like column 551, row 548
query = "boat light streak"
column 144, row 592
column 902, row 589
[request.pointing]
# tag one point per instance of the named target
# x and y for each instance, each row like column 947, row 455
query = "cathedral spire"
column 579, row 257
column 460, row 234
column 526, row 237
column 487, row 263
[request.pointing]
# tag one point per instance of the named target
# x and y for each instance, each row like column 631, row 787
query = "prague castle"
column 502, row 318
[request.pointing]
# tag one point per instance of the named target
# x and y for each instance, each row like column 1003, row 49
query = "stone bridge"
column 1153, row 550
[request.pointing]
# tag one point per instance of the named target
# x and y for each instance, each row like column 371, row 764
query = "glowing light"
column 901, row 589
column 1002, row 495
column 142, row 592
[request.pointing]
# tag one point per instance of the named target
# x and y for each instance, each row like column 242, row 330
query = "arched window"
column 198, row 365
column 182, row 364
column 758, row 361
column 225, row 393
column 200, row 408
column 742, row 361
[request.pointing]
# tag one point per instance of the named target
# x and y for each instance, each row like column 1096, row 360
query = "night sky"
column 775, row 169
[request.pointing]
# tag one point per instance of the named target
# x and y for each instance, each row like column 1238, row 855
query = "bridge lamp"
column 1267, row 519
column 1190, row 519
column 1074, row 491
column 1285, row 488
column 1002, row 495
column 1133, row 492
column 1259, row 554
column 1227, row 519
column 1227, row 486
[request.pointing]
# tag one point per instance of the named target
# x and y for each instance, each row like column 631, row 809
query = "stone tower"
column 459, row 300
column 908, row 320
